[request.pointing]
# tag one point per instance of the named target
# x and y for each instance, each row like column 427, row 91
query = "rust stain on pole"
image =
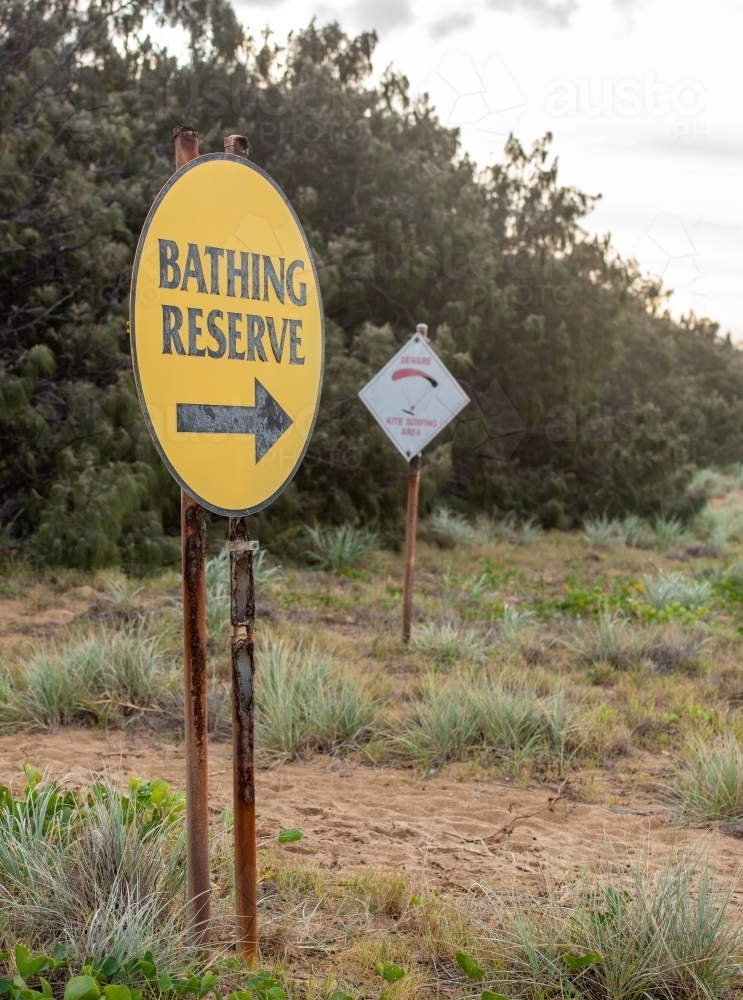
column 242, row 619
column 193, row 546
column 242, row 616
column 193, row 535
column 411, row 528
column 238, row 145
column 186, row 141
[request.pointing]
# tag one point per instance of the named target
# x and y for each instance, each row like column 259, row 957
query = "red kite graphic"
column 409, row 372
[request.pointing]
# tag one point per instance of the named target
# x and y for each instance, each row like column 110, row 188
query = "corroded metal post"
column 186, row 141
column 193, row 541
column 193, row 534
column 411, row 529
column 238, row 145
column 242, row 617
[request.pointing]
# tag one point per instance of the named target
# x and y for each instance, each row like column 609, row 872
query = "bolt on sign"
column 227, row 333
column 414, row 397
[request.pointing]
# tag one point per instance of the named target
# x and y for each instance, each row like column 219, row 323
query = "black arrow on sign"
column 267, row 420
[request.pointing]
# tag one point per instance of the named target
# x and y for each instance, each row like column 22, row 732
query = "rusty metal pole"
column 193, row 541
column 411, row 528
column 238, row 145
column 186, row 141
column 242, row 618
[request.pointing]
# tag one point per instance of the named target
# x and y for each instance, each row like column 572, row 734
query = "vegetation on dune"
column 92, row 887
column 536, row 656
column 545, row 664
column 507, row 669
column 92, row 891
column 549, row 331
column 647, row 933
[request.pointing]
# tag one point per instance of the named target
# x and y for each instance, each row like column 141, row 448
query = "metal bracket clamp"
column 251, row 546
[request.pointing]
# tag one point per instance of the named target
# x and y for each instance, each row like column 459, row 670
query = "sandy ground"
column 442, row 830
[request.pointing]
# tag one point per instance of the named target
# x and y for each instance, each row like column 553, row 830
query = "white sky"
column 664, row 161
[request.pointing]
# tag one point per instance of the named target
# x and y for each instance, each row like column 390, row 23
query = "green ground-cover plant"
column 728, row 585
column 655, row 597
column 497, row 577
column 110, row 979
column 580, row 600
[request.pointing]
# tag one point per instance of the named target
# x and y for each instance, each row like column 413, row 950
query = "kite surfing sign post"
column 228, row 338
column 413, row 398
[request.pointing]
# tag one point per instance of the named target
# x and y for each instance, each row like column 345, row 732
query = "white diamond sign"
column 413, row 397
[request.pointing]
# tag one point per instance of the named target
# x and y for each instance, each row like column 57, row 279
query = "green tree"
column 531, row 313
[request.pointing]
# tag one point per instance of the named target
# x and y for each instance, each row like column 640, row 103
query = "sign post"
column 196, row 734
column 228, row 352
column 413, row 398
column 242, row 627
column 411, row 530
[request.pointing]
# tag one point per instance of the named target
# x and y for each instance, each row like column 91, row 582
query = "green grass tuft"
column 102, row 677
column 304, row 702
column 709, row 781
column 665, row 589
column 445, row 644
column 663, row 934
column 339, row 550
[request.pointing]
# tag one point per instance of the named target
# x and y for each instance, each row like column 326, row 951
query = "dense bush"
column 587, row 397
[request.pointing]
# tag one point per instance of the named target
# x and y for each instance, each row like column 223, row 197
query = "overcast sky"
column 642, row 97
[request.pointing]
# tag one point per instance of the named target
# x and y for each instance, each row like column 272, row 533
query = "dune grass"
column 305, row 702
column 664, row 933
column 339, row 550
column 709, row 781
column 480, row 717
column 443, row 645
column 104, row 676
column 96, row 871
column 103, row 873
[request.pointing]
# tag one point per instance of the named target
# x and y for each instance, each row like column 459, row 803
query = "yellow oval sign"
column 227, row 333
